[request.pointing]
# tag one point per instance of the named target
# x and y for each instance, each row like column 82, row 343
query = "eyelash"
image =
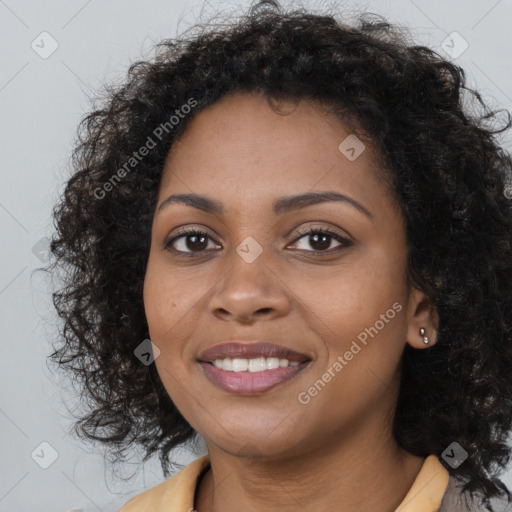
column 300, row 234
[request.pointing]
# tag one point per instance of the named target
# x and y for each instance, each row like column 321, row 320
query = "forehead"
column 243, row 148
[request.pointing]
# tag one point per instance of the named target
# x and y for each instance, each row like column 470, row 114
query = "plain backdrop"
column 54, row 55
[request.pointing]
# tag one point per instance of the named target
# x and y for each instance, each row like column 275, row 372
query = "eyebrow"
column 281, row 205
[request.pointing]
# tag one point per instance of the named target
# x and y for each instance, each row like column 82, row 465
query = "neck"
column 359, row 471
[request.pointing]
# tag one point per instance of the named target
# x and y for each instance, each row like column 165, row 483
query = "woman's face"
column 344, row 307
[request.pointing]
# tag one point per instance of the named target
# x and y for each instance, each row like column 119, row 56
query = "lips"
column 247, row 383
column 249, row 350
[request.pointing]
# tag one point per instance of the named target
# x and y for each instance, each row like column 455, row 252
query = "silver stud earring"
column 422, row 333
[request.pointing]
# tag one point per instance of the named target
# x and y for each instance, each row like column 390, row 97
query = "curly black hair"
column 451, row 179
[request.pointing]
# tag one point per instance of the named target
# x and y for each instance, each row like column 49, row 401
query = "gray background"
column 41, row 102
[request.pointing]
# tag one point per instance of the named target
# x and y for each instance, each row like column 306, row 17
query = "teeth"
column 257, row 364
column 273, row 362
column 227, row 364
column 240, row 365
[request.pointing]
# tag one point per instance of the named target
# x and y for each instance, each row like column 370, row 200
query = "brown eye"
column 188, row 242
column 320, row 239
column 192, row 242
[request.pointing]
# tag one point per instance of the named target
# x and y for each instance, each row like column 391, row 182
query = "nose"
column 250, row 292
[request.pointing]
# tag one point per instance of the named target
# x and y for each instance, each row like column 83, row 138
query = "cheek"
column 359, row 314
column 157, row 304
column 168, row 302
column 163, row 315
column 173, row 308
column 353, row 298
column 362, row 352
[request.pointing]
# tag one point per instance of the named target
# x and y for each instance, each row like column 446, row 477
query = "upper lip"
column 250, row 350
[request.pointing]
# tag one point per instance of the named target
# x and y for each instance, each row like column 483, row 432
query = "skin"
column 269, row 451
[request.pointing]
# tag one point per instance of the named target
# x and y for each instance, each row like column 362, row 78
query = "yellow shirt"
column 177, row 493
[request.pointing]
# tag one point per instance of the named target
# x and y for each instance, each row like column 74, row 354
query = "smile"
column 257, row 364
column 246, row 381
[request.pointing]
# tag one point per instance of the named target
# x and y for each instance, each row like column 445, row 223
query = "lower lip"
column 250, row 383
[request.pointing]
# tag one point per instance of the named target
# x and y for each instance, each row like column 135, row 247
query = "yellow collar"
column 177, row 493
column 428, row 488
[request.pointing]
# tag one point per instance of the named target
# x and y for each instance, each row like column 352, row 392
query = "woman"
column 289, row 237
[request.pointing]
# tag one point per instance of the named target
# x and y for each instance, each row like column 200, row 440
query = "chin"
column 247, row 442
